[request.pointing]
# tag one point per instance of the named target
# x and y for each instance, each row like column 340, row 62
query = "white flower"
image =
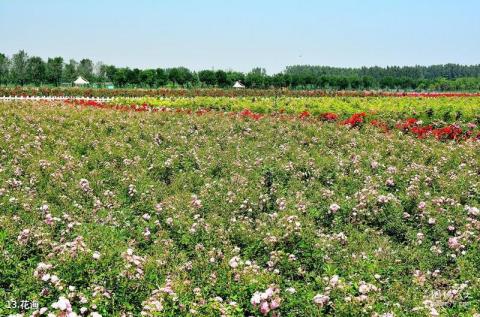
column 54, row 279
column 62, row 304
column 334, row 208
column 96, row 255
column 234, row 262
column 256, row 298
column 291, row 290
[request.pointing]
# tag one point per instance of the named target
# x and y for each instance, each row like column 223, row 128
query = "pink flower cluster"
column 267, row 301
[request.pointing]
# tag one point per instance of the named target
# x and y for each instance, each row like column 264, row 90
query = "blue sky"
column 242, row 34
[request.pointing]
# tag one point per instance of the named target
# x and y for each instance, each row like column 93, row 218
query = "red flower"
column 329, row 116
column 248, row 113
column 304, row 114
column 450, row 132
column 355, row 120
column 407, row 125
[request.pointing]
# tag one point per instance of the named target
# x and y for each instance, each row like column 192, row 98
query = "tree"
column 36, row 70
column 110, row 72
column 18, row 69
column 120, row 77
column 180, row 75
column 207, row 77
column 54, row 69
column 100, row 72
column 161, row 77
column 70, row 71
column 133, row 76
column 221, row 77
column 278, row 80
column 256, row 78
column 147, row 77
column 4, row 64
column 85, row 69
column 232, row 77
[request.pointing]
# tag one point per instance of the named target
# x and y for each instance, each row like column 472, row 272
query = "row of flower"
column 214, row 92
column 411, row 125
column 448, row 110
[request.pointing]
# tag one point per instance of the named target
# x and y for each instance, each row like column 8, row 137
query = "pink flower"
column 334, row 208
column 234, row 262
column 196, row 203
column 264, row 307
column 274, row 304
column 454, row 244
column 321, row 300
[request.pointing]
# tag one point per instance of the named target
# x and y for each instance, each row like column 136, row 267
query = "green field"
column 126, row 213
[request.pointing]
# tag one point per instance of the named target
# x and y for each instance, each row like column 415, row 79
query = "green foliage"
column 175, row 214
column 448, row 77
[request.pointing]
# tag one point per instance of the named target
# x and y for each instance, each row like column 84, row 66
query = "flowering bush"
column 212, row 208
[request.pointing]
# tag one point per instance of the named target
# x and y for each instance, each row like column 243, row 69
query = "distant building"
column 238, row 85
column 80, row 81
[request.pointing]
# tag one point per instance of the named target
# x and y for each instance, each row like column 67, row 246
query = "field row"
column 406, row 118
column 444, row 109
column 215, row 92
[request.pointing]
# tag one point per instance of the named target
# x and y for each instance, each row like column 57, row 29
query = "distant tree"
column 120, row 77
column 232, row 77
column 147, row 78
column 180, row 75
column 85, row 69
column 207, row 77
column 36, row 70
column 100, row 72
column 368, row 82
column 70, row 71
column 18, row 70
column 54, row 69
column 256, row 78
column 222, row 79
column 161, row 77
column 133, row 76
column 4, row 65
column 110, row 72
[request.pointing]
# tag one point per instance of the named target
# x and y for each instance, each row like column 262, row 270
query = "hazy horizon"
column 242, row 35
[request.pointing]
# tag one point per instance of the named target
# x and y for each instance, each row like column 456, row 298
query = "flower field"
column 216, row 92
column 253, row 206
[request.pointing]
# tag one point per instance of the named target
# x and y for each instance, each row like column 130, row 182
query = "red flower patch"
column 355, row 120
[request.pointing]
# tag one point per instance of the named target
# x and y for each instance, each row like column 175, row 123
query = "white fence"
column 26, row 98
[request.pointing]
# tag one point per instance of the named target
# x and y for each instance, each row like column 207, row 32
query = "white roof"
column 80, row 81
column 238, row 85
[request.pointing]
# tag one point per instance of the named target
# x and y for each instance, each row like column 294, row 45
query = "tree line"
column 21, row 69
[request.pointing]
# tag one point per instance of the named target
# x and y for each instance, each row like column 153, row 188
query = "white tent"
column 81, row 81
column 238, row 85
